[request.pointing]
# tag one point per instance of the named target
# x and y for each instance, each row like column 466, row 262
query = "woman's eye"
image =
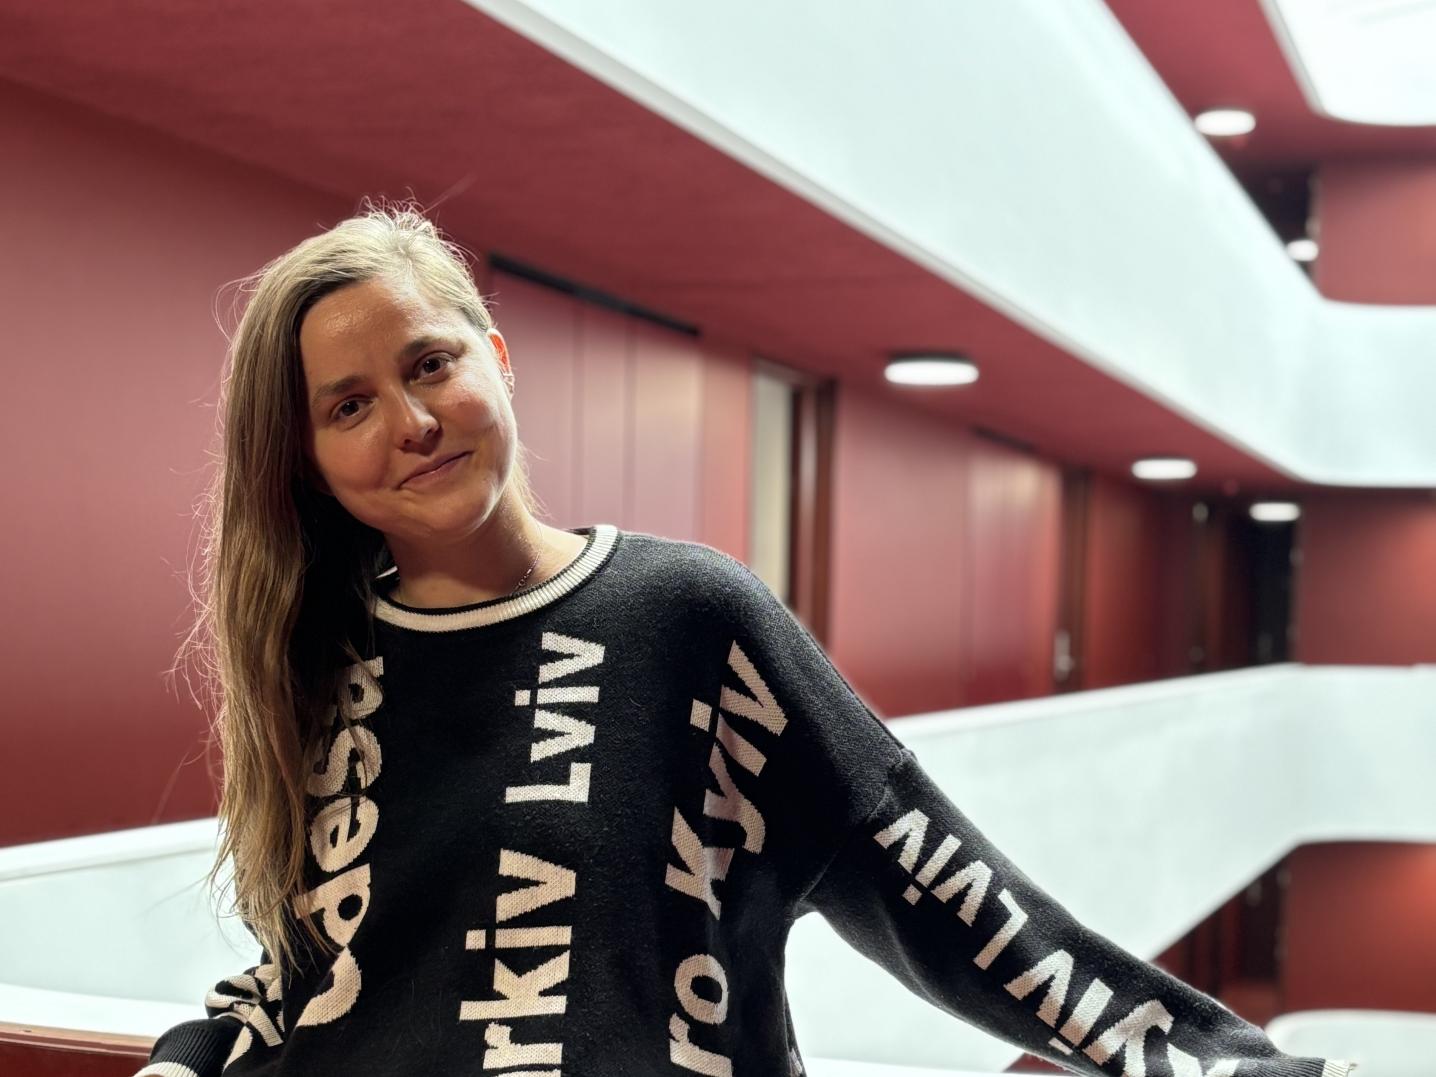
column 443, row 360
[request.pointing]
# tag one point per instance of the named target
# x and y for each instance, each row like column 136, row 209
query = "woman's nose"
column 412, row 421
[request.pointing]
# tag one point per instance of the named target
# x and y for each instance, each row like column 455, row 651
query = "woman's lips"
column 435, row 474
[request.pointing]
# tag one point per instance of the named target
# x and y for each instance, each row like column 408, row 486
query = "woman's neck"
column 511, row 552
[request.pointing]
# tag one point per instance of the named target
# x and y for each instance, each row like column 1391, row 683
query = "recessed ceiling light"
column 1303, row 250
column 1225, row 122
column 1275, row 512
column 930, row 370
column 1164, row 468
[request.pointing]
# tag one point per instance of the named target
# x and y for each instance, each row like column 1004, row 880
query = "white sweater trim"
column 578, row 570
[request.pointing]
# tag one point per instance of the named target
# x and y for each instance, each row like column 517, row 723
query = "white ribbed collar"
column 601, row 541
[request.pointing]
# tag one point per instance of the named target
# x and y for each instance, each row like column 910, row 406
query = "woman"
column 505, row 797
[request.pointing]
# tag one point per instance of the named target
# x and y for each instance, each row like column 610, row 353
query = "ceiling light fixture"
column 930, row 369
column 1303, row 250
column 1275, row 512
column 1164, row 468
column 1225, row 122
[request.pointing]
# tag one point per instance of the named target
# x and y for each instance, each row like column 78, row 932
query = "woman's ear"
column 501, row 353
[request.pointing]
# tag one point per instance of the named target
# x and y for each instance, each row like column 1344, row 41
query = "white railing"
column 1141, row 809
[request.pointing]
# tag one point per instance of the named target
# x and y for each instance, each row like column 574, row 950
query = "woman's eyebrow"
column 348, row 381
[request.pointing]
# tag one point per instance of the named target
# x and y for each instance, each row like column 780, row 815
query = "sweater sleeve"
column 865, row 837
column 248, row 1003
column 919, row 890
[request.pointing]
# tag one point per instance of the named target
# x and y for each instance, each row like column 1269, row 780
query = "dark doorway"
column 1268, row 549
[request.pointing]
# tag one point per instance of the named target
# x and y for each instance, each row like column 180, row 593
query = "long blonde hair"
column 285, row 574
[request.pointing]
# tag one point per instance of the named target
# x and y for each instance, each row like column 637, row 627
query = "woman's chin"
column 453, row 518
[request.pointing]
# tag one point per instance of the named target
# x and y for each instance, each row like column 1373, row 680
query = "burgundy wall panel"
column 897, row 582
column 945, row 561
column 1358, row 927
column 541, row 328
column 667, row 445
column 1378, row 231
column 605, row 391
column 625, row 421
column 1366, row 589
column 723, row 513
column 117, row 242
column 1124, row 584
column 30, row 1056
column 1013, row 555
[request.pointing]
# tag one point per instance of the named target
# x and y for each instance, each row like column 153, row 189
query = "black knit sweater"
column 588, row 816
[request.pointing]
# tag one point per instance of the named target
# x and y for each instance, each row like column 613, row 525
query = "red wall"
column 1359, row 928
column 116, row 242
column 1378, row 231
column 1137, row 559
column 1011, row 561
column 1366, row 586
column 1167, row 595
column 627, row 422
column 945, row 558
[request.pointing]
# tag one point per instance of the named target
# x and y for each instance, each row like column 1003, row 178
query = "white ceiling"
column 1027, row 152
column 1364, row 61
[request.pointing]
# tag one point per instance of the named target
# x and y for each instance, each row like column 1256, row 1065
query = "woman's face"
column 419, row 383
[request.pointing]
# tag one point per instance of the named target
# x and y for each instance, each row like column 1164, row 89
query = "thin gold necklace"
column 523, row 580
